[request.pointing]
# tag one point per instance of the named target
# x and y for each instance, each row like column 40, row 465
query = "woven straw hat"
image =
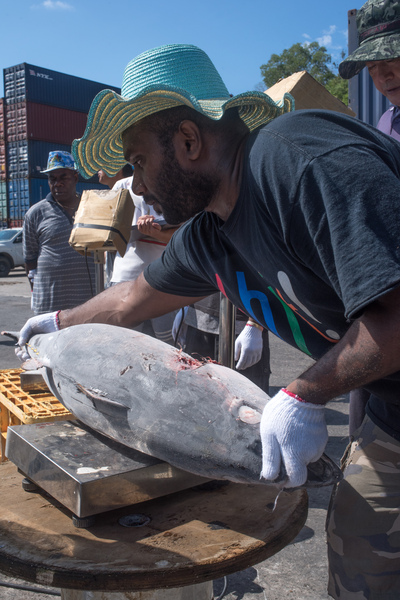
column 158, row 79
column 378, row 26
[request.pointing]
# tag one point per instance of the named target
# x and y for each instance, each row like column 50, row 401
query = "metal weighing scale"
column 88, row 473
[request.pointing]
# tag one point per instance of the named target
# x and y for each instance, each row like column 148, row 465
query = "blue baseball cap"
column 59, row 159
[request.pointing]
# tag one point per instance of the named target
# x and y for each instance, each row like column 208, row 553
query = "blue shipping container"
column 27, row 158
column 3, row 202
column 23, row 193
column 36, row 84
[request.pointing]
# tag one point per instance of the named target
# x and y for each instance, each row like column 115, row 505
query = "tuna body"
column 201, row 417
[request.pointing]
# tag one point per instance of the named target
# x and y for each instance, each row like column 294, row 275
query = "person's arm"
column 293, row 428
column 30, row 265
column 30, row 270
column 369, row 351
column 148, row 226
column 126, row 304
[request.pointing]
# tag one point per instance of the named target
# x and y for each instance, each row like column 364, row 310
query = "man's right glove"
column 293, row 434
column 46, row 323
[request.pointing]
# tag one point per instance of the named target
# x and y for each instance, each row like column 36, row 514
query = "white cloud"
column 325, row 40
column 54, row 5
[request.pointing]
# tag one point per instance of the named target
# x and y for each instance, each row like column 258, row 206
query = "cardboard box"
column 103, row 221
column 307, row 93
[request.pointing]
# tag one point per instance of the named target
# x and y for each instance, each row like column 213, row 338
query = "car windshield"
column 7, row 234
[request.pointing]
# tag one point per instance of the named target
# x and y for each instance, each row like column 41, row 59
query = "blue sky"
column 96, row 40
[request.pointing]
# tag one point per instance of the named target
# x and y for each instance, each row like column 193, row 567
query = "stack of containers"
column 43, row 111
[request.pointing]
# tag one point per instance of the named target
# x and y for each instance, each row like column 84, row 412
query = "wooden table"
column 191, row 538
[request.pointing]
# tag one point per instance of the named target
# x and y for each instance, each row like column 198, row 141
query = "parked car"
column 10, row 250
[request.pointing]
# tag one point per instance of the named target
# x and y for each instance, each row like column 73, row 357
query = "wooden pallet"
column 17, row 407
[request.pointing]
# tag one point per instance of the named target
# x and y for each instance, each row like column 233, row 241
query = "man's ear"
column 188, row 143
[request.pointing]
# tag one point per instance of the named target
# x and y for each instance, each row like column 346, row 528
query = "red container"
column 2, row 160
column 16, row 223
column 31, row 121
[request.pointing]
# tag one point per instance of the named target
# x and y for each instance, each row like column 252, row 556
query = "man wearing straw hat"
column 290, row 214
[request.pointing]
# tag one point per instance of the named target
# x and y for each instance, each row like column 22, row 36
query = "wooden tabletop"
column 192, row 536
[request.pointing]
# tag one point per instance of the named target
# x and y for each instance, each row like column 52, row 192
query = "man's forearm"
column 126, row 305
column 369, row 351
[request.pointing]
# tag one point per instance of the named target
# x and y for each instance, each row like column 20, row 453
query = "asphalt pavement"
column 297, row 572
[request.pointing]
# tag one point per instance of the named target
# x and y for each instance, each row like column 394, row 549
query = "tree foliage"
column 312, row 58
column 340, row 88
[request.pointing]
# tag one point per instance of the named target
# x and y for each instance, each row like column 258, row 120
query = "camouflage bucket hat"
column 378, row 26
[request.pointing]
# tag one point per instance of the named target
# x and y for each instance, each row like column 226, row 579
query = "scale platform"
column 87, row 472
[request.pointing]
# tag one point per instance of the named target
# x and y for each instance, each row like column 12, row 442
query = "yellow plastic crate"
column 18, row 407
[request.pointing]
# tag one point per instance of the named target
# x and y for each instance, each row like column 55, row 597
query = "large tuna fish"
column 201, row 417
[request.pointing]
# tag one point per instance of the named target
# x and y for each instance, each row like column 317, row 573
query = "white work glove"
column 294, row 433
column 177, row 328
column 31, row 275
column 46, row 323
column 248, row 347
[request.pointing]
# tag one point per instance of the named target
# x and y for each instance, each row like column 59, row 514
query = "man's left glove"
column 248, row 347
column 293, row 434
column 46, row 323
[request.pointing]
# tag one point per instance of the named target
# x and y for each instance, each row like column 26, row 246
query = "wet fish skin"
column 200, row 417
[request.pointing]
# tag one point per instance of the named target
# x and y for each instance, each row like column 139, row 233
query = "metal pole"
column 99, row 262
column 226, row 342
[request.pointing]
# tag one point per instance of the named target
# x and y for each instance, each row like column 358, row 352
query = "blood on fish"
column 187, row 362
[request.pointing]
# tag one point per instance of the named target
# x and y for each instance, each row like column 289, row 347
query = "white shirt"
column 141, row 250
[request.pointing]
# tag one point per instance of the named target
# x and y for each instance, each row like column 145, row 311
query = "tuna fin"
column 102, row 403
column 31, row 364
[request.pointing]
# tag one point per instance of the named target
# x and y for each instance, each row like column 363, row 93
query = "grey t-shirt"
column 64, row 277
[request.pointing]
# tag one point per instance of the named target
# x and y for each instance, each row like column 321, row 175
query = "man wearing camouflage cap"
column 368, row 457
column 378, row 25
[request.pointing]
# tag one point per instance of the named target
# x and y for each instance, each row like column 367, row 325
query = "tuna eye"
column 249, row 415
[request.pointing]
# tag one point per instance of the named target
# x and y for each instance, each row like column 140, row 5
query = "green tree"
column 312, row 58
column 340, row 88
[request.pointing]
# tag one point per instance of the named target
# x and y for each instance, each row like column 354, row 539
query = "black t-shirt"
column 312, row 240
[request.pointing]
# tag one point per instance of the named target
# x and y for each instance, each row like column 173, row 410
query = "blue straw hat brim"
column 110, row 114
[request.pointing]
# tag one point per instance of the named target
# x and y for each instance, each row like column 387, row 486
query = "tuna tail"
column 11, row 334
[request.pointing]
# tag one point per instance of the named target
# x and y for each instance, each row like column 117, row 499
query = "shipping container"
column 30, row 83
column 23, row 193
column 3, row 171
column 27, row 158
column 2, row 119
column 3, row 203
column 31, row 121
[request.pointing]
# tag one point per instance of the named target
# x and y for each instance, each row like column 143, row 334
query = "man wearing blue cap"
column 293, row 216
column 59, row 275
